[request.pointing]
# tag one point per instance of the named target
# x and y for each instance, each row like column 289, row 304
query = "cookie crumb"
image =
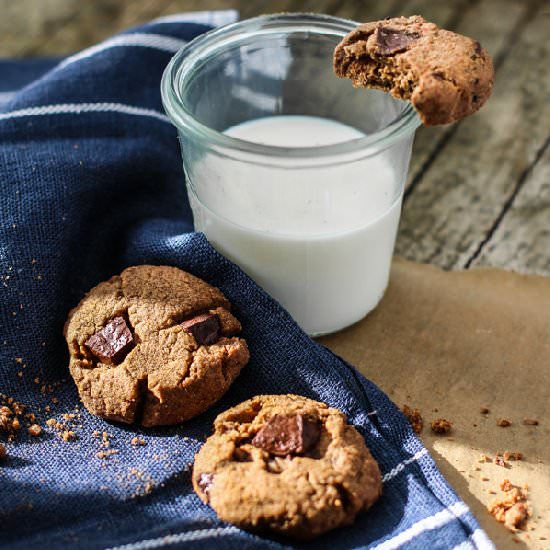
column 107, row 453
column 35, row 430
column 441, row 426
column 68, row 435
column 499, row 461
column 530, row 422
column 138, row 441
column 503, row 422
column 484, row 410
column 484, row 458
column 510, row 509
column 508, row 455
column 414, row 417
column 9, row 423
column 63, row 431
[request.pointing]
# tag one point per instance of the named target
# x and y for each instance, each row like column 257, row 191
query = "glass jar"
column 313, row 223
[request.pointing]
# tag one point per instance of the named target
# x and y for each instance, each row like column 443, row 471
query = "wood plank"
column 522, row 240
column 477, row 21
column 371, row 10
column 464, row 190
column 443, row 14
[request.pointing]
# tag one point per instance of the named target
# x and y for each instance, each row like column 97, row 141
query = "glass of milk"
column 291, row 172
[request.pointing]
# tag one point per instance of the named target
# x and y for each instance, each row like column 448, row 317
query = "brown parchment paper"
column 456, row 342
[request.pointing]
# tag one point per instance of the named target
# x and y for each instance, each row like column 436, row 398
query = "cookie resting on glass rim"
column 446, row 76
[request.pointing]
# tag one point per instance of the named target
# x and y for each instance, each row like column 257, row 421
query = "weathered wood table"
column 478, row 194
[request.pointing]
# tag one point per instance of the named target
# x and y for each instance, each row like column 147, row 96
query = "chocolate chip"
column 240, row 455
column 390, row 41
column 288, row 435
column 205, row 328
column 112, row 343
column 205, row 482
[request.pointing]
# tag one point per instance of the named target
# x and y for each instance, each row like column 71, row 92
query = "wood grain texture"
column 521, row 242
column 474, row 20
column 464, row 190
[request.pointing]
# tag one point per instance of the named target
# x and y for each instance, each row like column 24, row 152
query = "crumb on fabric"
column 441, row 426
column 510, row 508
column 503, row 422
column 138, row 441
column 35, row 430
column 63, row 431
column 414, row 417
column 107, row 453
column 9, row 422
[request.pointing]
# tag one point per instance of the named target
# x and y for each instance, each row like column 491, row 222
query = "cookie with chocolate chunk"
column 446, row 76
column 153, row 345
column 286, row 464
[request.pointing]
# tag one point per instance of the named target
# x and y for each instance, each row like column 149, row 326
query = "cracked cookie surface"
column 153, row 345
column 446, row 76
column 286, row 464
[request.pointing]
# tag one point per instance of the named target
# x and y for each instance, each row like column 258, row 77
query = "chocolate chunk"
column 390, row 41
column 112, row 343
column 205, row 328
column 205, row 482
column 288, row 435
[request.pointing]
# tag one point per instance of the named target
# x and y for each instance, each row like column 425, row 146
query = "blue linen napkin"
column 92, row 182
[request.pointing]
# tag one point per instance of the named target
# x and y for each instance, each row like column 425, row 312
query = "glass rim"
column 201, row 48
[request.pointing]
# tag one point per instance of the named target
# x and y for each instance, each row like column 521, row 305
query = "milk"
column 319, row 239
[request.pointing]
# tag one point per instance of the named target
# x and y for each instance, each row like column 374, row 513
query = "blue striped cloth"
column 92, row 182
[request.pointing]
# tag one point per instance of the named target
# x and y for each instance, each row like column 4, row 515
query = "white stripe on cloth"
column 401, row 466
column 143, row 40
column 189, row 536
column 78, row 108
column 436, row 521
column 478, row 539
column 6, row 96
column 214, row 18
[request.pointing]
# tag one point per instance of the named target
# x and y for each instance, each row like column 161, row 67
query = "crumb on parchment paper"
column 530, row 422
column 503, row 422
column 441, row 426
column 511, row 507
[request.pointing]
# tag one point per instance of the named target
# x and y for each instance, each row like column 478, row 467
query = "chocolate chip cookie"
column 286, row 464
column 153, row 345
column 446, row 76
